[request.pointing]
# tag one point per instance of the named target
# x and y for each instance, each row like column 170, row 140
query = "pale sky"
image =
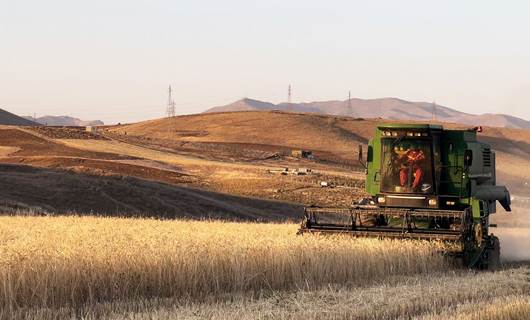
column 113, row 60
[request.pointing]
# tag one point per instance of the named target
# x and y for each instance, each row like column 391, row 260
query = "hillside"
column 61, row 192
column 43, row 174
column 218, row 162
column 64, row 121
column 331, row 138
column 320, row 133
column 8, row 118
column 386, row 108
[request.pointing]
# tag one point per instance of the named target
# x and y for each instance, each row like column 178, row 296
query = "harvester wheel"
column 479, row 234
column 494, row 253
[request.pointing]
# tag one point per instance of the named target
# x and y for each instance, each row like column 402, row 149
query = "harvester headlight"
column 418, row 134
column 450, row 203
column 433, row 202
column 410, row 134
column 395, row 134
column 381, row 200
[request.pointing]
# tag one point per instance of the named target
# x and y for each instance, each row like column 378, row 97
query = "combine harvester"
column 425, row 183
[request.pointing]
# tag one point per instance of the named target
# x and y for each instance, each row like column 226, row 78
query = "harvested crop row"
column 78, row 261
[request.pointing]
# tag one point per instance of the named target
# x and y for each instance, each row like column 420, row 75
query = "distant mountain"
column 386, row 108
column 64, row 121
column 247, row 104
column 8, row 118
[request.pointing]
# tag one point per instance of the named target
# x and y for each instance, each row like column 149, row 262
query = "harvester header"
column 424, row 182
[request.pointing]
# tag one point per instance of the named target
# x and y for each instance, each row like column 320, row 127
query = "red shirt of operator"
column 413, row 160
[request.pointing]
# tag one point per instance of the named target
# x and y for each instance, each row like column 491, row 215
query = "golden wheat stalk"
column 75, row 261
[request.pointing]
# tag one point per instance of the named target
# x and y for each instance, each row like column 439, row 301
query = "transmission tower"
column 434, row 111
column 170, row 111
column 289, row 96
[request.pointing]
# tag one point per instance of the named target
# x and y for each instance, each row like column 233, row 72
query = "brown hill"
column 330, row 137
column 11, row 119
column 386, row 108
column 237, row 153
column 320, row 133
column 45, row 174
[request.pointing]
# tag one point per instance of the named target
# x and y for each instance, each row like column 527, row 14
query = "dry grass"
column 506, row 308
column 438, row 296
column 6, row 151
column 75, row 262
column 126, row 149
column 429, row 296
column 306, row 131
column 303, row 189
column 336, row 135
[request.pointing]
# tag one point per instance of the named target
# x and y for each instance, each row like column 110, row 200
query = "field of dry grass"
column 308, row 131
column 245, row 179
column 121, row 148
column 78, row 262
column 71, row 267
column 79, row 174
column 451, row 296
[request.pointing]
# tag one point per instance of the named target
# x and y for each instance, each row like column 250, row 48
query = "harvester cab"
column 424, row 182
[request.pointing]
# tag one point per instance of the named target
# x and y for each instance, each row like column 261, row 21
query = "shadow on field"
column 66, row 192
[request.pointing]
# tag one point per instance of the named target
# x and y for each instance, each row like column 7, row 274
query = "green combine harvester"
column 425, row 182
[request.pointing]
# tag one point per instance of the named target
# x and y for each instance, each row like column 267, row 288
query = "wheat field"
column 117, row 268
column 77, row 262
column 451, row 296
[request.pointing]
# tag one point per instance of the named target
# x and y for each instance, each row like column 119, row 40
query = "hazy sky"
column 113, row 60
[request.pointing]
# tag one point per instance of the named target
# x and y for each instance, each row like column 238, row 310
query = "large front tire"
column 494, row 253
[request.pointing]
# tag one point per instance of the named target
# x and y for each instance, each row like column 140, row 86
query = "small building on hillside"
column 302, row 154
column 91, row 129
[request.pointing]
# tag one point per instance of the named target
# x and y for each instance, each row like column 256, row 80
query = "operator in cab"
column 412, row 162
column 409, row 166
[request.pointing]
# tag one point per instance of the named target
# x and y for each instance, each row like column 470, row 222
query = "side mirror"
column 468, row 158
column 361, row 160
